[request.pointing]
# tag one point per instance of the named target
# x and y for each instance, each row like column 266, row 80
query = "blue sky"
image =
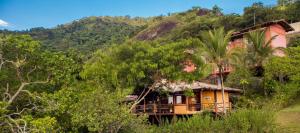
column 25, row 14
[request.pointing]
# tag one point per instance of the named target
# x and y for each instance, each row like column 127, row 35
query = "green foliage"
column 239, row 78
column 102, row 111
column 29, row 71
column 231, row 22
column 42, row 125
column 193, row 26
column 259, row 13
column 247, row 120
column 259, row 48
column 91, row 33
column 294, row 42
column 189, row 93
column 86, row 106
column 87, row 34
column 135, row 64
column 241, row 121
column 33, row 62
column 93, row 100
column 214, row 44
column 282, row 76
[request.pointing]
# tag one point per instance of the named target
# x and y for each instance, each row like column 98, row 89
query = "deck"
column 180, row 109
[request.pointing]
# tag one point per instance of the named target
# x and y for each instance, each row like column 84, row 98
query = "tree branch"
column 21, row 87
column 6, row 96
column 142, row 96
column 32, row 70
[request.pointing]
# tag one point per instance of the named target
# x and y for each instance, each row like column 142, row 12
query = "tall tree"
column 214, row 44
column 23, row 68
column 142, row 65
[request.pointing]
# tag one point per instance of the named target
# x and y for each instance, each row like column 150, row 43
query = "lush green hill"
column 192, row 22
column 91, row 33
column 87, row 34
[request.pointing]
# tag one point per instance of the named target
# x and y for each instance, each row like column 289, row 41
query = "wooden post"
column 144, row 105
column 216, row 101
column 174, row 102
column 186, row 104
column 201, row 104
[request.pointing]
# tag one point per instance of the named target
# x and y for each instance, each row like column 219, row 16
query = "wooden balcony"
column 180, row 109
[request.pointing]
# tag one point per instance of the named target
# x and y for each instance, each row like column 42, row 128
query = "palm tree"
column 214, row 44
column 259, row 49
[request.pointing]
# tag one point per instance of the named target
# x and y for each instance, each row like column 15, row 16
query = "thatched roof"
column 196, row 85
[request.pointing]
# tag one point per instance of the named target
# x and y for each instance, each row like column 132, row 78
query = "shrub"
column 250, row 120
column 243, row 120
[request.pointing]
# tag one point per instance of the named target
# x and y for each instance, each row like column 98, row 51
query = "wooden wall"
column 208, row 99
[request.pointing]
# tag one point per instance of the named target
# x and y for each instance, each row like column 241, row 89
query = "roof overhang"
column 287, row 27
column 196, row 85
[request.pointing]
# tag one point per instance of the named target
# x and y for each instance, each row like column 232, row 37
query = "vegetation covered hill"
column 43, row 89
column 196, row 20
column 87, row 34
column 91, row 33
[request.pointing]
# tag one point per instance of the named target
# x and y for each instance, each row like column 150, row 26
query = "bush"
column 243, row 120
column 250, row 120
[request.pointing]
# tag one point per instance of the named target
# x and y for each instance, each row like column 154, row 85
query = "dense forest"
column 74, row 77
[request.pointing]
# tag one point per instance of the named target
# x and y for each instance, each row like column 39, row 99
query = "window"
column 170, row 100
column 180, row 99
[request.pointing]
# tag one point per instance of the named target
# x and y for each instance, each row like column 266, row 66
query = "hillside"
column 144, row 75
column 90, row 33
column 86, row 34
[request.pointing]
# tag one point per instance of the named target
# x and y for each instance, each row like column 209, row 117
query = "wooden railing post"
column 144, row 106
column 216, row 107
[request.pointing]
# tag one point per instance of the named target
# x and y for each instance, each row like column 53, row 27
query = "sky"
column 26, row 14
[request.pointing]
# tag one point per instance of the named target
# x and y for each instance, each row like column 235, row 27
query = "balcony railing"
column 190, row 108
column 154, row 108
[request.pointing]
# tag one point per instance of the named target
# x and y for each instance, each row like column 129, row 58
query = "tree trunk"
column 222, row 88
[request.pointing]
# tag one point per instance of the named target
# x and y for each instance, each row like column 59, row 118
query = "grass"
column 289, row 118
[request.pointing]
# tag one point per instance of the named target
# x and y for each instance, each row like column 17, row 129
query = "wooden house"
column 182, row 98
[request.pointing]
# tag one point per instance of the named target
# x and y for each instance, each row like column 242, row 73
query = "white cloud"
column 3, row 23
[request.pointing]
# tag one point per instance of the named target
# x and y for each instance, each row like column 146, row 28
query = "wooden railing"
column 216, row 107
column 169, row 108
column 154, row 108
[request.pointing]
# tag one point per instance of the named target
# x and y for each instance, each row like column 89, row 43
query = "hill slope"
column 91, row 33
column 87, row 34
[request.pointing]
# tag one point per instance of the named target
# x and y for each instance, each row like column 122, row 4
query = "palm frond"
column 215, row 45
column 258, row 47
